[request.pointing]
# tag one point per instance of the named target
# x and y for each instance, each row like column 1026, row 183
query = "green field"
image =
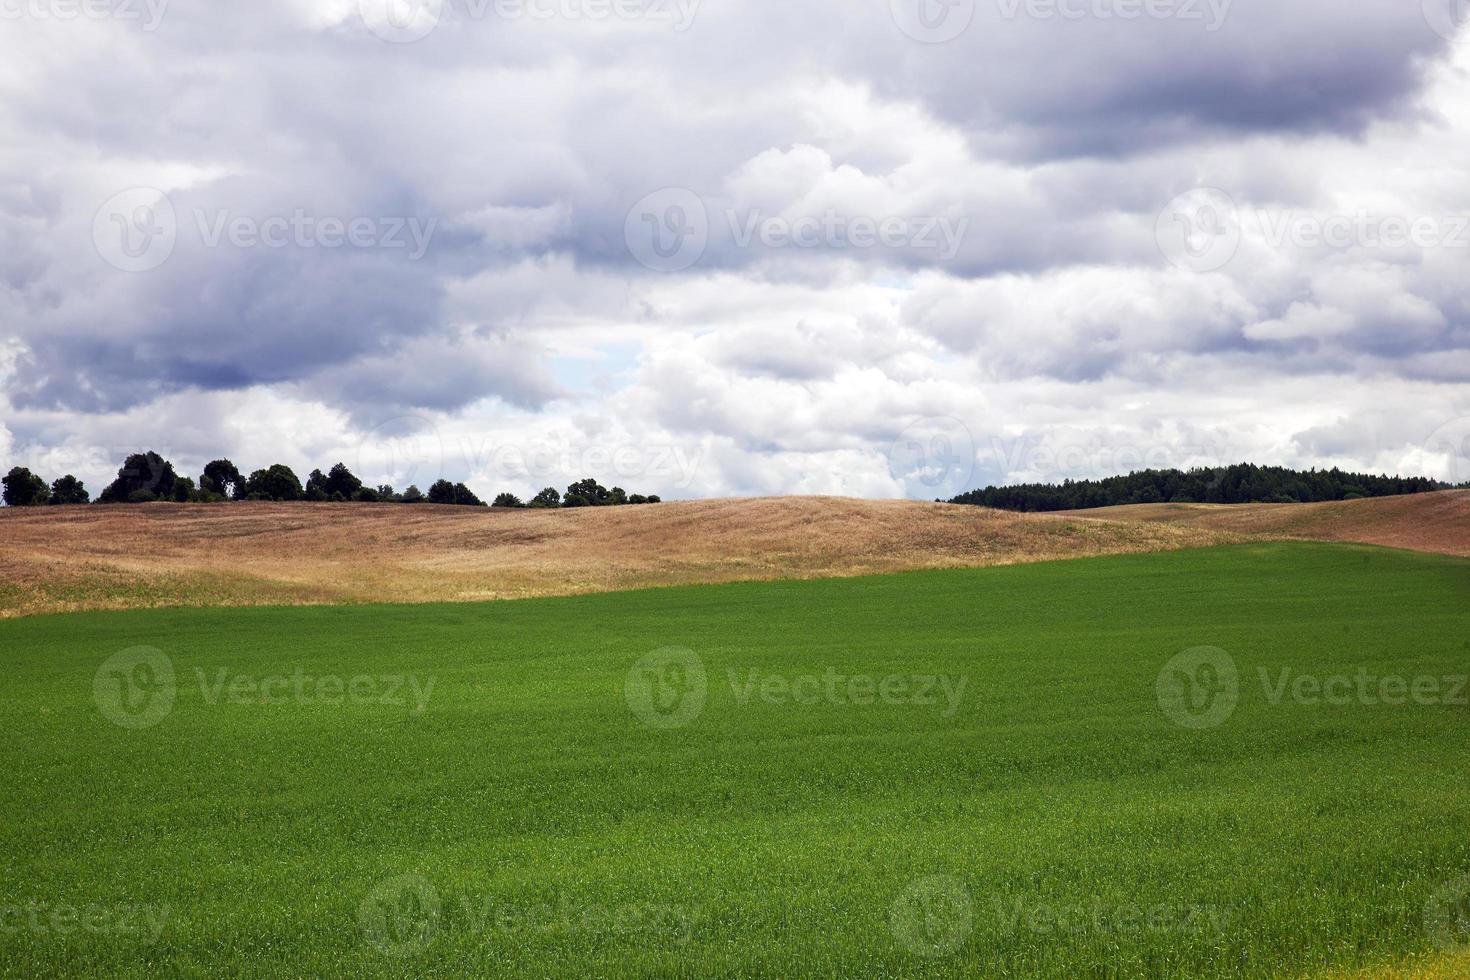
column 969, row 773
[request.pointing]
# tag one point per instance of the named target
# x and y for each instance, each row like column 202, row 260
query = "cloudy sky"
column 734, row 247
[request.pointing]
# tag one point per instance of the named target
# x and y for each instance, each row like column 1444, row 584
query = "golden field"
column 59, row 559
column 1438, row 522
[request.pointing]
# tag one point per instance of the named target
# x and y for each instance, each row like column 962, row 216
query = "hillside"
column 66, row 558
column 57, row 559
column 1437, row 522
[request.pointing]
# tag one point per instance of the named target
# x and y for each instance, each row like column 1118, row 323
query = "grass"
column 528, row 821
column 74, row 559
column 1437, row 522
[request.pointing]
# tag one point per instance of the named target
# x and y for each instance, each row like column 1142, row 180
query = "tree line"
column 1244, row 483
column 148, row 477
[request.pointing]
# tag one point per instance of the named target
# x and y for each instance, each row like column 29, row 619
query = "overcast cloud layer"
column 714, row 247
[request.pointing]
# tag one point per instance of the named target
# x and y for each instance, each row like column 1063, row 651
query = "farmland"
column 61, row 559
column 1438, row 522
column 960, row 772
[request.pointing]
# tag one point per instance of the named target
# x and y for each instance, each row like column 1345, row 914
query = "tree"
column 586, row 493
column 221, row 478
column 148, row 472
column 69, row 490
column 276, row 483
column 316, row 486
column 23, row 488
column 617, row 496
column 254, row 488
column 341, row 481
column 550, row 497
column 184, row 490
column 507, row 500
column 1239, row 484
column 413, row 495
column 444, row 492
column 367, row 495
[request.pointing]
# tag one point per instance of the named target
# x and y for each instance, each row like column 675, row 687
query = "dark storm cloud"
column 438, row 374
column 1054, row 140
column 225, row 316
column 1048, row 86
column 266, row 282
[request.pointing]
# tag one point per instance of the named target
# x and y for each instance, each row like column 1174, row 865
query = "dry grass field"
column 62, row 559
column 1438, row 522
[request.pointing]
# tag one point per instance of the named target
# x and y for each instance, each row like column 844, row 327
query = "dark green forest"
column 1244, row 483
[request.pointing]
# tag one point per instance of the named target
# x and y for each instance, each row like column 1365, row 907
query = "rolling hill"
column 72, row 558
column 1438, row 522
column 58, row 559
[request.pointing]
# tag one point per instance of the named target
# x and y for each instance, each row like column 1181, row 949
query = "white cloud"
column 1057, row 333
